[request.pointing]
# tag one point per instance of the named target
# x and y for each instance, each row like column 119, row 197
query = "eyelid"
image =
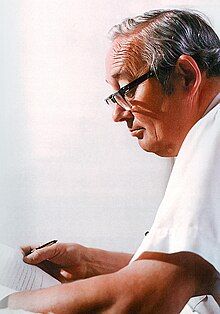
column 132, row 90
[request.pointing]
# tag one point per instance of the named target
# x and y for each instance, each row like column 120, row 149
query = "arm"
column 154, row 284
column 201, row 273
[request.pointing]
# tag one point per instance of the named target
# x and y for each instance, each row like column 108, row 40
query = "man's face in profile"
column 156, row 119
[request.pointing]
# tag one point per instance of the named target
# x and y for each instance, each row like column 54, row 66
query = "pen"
column 44, row 245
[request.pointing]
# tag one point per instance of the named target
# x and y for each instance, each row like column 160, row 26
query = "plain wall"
column 67, row 171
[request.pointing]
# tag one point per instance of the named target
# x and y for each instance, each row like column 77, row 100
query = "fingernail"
column 26, row 258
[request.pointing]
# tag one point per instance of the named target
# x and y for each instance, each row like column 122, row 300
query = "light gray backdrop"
column 67, row 171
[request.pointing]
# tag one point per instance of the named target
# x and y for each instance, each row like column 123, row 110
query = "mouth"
column 138, row 132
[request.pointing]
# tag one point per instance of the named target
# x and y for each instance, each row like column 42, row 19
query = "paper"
column 15, row 275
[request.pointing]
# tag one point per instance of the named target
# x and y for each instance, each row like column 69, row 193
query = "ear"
column 187, row 67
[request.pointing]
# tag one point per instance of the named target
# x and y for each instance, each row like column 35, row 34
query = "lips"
column 138, row 132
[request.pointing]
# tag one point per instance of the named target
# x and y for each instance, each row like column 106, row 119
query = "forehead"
column 123, row 59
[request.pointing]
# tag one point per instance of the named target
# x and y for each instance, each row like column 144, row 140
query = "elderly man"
column 164, row 67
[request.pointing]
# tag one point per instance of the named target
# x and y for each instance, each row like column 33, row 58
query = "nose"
column 120, row 114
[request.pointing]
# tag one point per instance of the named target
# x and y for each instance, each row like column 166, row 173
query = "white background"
column 66, row 171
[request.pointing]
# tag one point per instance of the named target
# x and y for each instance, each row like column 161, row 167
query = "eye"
column 131, row 93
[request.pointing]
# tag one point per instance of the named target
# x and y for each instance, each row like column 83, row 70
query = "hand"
column 68, row 262
column 64, row 261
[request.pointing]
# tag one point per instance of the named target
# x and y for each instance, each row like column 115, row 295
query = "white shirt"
column 188, row 218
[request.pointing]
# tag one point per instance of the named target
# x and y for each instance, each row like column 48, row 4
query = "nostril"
column 130, row 122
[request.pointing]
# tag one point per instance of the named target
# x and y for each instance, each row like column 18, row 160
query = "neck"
column 210, row 87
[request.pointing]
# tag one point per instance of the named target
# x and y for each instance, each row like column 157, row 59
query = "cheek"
column 157, row 129
column 147, row 123
column 149, row 97
column 151, row 108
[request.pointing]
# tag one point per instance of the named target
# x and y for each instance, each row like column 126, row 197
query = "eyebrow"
column 115, row 76
column 122, row 75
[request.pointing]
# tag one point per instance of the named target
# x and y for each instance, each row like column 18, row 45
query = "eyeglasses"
column 122, row 96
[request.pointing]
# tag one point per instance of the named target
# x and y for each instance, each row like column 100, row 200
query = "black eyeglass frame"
column 123, row 90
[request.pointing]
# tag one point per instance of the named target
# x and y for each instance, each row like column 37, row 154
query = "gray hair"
column 164, row 35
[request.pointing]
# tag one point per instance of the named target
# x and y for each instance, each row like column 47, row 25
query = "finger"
column 26, row 249
column 55, row 271
column 52, row 269
column 40, row 255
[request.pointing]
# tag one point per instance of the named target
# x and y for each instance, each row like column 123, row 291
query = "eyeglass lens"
column 118, row 99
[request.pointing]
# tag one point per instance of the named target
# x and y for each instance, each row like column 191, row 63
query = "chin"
column 158, row 149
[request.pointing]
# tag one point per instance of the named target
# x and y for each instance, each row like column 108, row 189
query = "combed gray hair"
column 164, row 35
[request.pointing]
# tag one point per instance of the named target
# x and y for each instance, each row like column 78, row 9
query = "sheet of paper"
column 19, row 276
